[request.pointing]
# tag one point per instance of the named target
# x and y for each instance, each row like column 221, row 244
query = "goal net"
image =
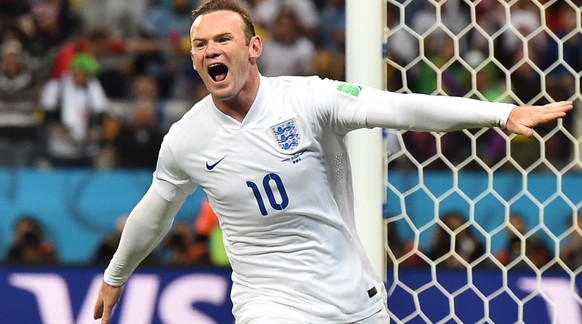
column 484, row 226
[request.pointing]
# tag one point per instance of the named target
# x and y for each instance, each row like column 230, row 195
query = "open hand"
column 523, row 119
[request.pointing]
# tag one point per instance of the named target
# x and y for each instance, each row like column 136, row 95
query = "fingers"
column 107, row 314
column 547, row 116
column 98, row 310
column 523, row 130
column 103, row 311
column 527, row 131
column 558, row 107
column 561, row 104
column 523, row 119
column 555, row 110
column 107, row 297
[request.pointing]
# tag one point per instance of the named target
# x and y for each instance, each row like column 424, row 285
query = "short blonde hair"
column 228, row 5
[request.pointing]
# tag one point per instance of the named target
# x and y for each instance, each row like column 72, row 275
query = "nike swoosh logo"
column 212, row 166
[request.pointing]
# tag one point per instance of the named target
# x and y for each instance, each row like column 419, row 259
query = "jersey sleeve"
column 170, row 178
column 346, row 106
column 421, row 112
column 147, row 224
column 338, row 105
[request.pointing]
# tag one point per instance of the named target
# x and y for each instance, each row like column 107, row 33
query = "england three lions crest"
column 287, row 135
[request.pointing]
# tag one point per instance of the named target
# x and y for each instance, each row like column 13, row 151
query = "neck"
column 238, row 106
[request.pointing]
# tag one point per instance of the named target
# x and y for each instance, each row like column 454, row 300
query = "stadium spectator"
column 446, row 75
column 404, row 253
column 156, row 64
column 455, row 79
column 527, row 87
column 182, row 247
column 525, row 20
column 491, row 144
column 146, row 87
column 455, row 236
column 572, row 250
column 74, row 106
column 38, row 58
column 109, row 242
column 401, row 48
column 329, row 60
column 139, row 138
column 423, row 148
column 19, row 122
column 54, row 22
column 36, row 61
column 169, row 24
column 17, row 82
column 265, row 13
column 99, row 45
column 287, row 51
column 29, row 245
column 536, row 250
column 121, row 19
column 561, row 78
column 331, row 33
column 515, row 230
column 525, row 80
column 561, row 82
column 452, row 16
column 115, row 56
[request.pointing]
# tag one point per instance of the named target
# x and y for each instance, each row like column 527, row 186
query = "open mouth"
column 218, row 72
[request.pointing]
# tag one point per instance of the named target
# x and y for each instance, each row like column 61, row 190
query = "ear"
column 255, row 47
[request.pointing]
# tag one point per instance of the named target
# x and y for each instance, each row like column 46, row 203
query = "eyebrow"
column 216, row 36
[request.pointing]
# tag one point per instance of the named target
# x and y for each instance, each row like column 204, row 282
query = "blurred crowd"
column 517, row 52
column 457, row 243
column 97, row 84
column 197, row 243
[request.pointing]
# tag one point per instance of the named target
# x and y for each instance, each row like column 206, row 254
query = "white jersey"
column 280, row 184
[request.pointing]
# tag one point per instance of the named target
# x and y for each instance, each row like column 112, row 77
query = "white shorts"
column 381, row 317
column 284, row 315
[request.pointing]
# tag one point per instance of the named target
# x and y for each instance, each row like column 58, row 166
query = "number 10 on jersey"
column 277, row 204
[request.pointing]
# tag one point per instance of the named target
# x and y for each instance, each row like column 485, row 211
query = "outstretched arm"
column 419, row 112
column 147, row 224
column 523, row 119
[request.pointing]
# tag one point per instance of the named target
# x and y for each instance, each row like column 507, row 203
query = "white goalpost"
column 364, row 66
column 482, row 226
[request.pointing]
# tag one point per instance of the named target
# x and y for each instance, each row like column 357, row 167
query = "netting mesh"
column 501, row 210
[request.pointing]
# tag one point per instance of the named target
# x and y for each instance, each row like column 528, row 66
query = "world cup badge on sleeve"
column 287, row 136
